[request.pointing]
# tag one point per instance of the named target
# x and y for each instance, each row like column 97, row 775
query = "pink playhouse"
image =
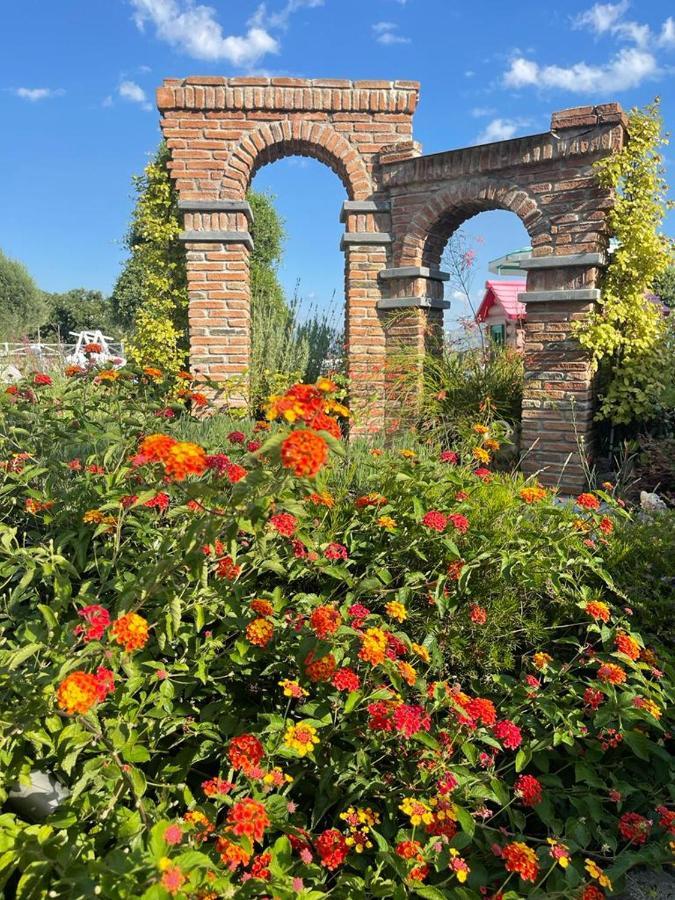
column 502, row 313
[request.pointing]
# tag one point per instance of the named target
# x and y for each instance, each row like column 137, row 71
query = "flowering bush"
column 255, row 677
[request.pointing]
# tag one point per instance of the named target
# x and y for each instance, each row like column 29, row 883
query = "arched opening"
column 477, row 373
column 298, row 330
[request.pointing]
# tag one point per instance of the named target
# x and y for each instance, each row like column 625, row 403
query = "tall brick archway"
column 220, row 132
column 402, row 207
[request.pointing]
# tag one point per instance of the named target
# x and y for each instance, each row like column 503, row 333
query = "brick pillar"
column 558, row 400
column 413, row 311
column 366, row 244
column 217, row 246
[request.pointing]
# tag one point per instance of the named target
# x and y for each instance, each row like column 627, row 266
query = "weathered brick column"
column 559, row 399
column 217, row 245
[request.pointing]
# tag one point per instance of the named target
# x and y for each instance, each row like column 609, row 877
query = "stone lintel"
column 364, row 237
column 415, row 272
column 218, row 237
column 412, row 303
column 558, row 262
column 584, row 294
column 213, row 206
column 351, row 207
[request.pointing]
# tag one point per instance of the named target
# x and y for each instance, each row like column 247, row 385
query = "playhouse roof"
column 506, row 294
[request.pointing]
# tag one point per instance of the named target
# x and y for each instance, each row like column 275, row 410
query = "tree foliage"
column 77, row 310
column 627, row 330
column 22, row 303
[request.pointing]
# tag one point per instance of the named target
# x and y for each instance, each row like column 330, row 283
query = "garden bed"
column 281, row 666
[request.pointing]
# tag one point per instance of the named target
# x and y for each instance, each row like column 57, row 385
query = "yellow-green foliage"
column 160, row 318
column 627, row 330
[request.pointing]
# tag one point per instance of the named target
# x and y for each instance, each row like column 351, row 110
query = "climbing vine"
column 160, row 318
column 626, row 332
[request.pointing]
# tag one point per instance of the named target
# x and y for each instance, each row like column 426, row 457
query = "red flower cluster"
column 346, row 679
column 477, row 614
column 320, row 669
column 509, row 734
column 332, row 848
column 593, row 699
column 634, row 828
column 304, row 452
column 449, row 456
column 248, row 817
column 460, row 522
column 284, row 523
column 435, row 520
column 528, row 789
column 97, row 619
column 409, row 720
column 216, row 787
column 627, row 645
column 588, row 501
column 611, row 674
column 245, row 753
column 336, row 551
column 325, row 621
column 520, row 858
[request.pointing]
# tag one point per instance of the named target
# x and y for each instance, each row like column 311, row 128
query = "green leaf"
column 466, row 820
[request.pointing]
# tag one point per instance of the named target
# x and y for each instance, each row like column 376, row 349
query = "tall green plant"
column 152, row 291
column 626, row 332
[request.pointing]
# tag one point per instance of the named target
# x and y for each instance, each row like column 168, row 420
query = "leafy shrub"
column 471, row 384
column 640, row 559
column 255, row 684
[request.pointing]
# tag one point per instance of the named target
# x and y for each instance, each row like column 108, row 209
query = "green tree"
column 77, row 310
column 22, row 304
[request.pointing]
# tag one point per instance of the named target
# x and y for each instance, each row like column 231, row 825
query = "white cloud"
column 500, row 130
column 194, row 29
column 261, row 18
column 107, row 101
column 129, row 90
column 628, row 68
column 34, row 94
column 386, row 33
column 479, row 111
column 667, row 36
column 602, row 17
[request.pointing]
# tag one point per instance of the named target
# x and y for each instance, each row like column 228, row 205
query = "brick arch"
column 277, row 140
column 434, row 224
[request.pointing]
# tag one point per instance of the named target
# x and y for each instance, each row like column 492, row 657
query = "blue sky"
column 77, row 82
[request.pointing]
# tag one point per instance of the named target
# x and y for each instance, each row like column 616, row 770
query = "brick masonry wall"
column 402, row 209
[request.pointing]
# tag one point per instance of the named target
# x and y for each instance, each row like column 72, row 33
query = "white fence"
column 27, row 355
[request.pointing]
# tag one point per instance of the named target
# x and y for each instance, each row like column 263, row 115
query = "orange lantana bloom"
column 130, row 631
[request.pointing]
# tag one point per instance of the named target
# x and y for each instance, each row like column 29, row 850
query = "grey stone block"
column 350, row 207
column 556, row 262
column 364, row 237
column 583, row 294
column 415, row 272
